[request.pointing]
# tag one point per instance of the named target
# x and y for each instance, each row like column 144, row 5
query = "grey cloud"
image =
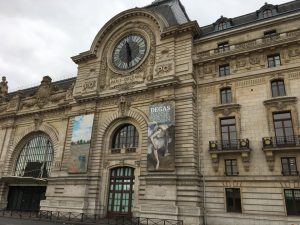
column 38, row 37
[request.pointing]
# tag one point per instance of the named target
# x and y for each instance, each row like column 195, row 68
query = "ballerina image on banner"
column 161, row 137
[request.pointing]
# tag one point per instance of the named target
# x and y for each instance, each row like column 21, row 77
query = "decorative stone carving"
column 226, row 109
column 3, row 89
column 207, row 69
column 47, row 93
column 294, row 52
column 254, row 60
column 57, row 97
column 164, row 69
column 69, row 94
column 88, row 85
column 14, row 102
column 38, row 120
column 44, row 92
column 138, row 163
column 124, row 105
column 126, row 81
column 280, row 103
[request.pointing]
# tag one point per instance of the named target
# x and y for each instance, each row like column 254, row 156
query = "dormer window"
column 267, row 13
column 222, row 24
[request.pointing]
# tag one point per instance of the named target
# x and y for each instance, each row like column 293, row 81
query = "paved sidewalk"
column 11, row 221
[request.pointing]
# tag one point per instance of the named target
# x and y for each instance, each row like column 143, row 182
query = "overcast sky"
column 38, row 37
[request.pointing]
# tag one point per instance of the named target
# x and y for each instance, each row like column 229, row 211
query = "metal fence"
column 85, row 218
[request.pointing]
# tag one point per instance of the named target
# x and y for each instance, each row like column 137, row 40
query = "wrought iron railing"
column 281, row 142
column 228, row 145
column 84, row 218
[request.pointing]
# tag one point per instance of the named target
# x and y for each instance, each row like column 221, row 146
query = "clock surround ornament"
column 129, row 52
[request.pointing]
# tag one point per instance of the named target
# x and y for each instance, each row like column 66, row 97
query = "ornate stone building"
column 165, row 119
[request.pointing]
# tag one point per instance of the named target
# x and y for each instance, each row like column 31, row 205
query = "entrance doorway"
column 25, row 198
column 121, row 190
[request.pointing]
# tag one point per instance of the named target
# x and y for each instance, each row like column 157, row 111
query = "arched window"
column 225, row 95
column 278, row 88
column 267, row 13
column 35, row 159
column 125, row 137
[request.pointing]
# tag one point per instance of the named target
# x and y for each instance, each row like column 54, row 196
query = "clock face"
column 129, row 52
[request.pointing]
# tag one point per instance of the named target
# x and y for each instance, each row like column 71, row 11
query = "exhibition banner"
column 81, row 143
column 161, row 137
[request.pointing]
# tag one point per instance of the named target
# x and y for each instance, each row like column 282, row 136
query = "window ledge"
column 280, row 100
column 226, row 109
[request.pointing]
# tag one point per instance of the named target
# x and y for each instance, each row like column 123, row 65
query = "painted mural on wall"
column 161, row 137
column 81, row 143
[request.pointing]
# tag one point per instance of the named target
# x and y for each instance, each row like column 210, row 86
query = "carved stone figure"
column 124, row 105
column 44, row 91
column 3, row 89
column 69, row 94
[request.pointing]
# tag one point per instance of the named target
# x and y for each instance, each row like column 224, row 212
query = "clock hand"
column 128, row 51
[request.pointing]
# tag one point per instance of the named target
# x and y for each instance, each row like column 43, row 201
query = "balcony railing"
column 229, row 145
column 281, row 142
column 251, row 44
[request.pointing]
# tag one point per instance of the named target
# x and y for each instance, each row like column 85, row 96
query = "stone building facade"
column 225, row 152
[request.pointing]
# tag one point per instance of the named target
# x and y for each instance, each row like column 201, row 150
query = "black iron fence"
column 281, row 141
column 228, row 145
column 85, row 218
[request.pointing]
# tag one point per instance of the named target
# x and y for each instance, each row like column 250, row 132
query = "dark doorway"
column 25, row 198
column 120, row 191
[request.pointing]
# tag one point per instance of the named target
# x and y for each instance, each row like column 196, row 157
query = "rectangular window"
column 274, row 60
column 278, row 88
column 289, row 166
column 226, row 95
column 224, row 70
column 222, row 47
column 231, row 168
column 228, row 134
column 284, row 129
column 292, row 201
column 233, row 200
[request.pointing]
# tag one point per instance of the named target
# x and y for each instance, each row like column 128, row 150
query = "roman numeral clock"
column 129, row 52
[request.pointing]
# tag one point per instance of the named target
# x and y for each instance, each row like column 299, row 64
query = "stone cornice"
column 83, row 57
column 16, row 114
column 276, row 101
column 187, row 27
column 226, row 107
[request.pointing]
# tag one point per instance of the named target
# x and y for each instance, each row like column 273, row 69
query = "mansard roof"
column 172, row 10
column 254, row 17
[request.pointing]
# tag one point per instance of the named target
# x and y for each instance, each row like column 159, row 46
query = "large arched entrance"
column 121, row 191
column 28, row 185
